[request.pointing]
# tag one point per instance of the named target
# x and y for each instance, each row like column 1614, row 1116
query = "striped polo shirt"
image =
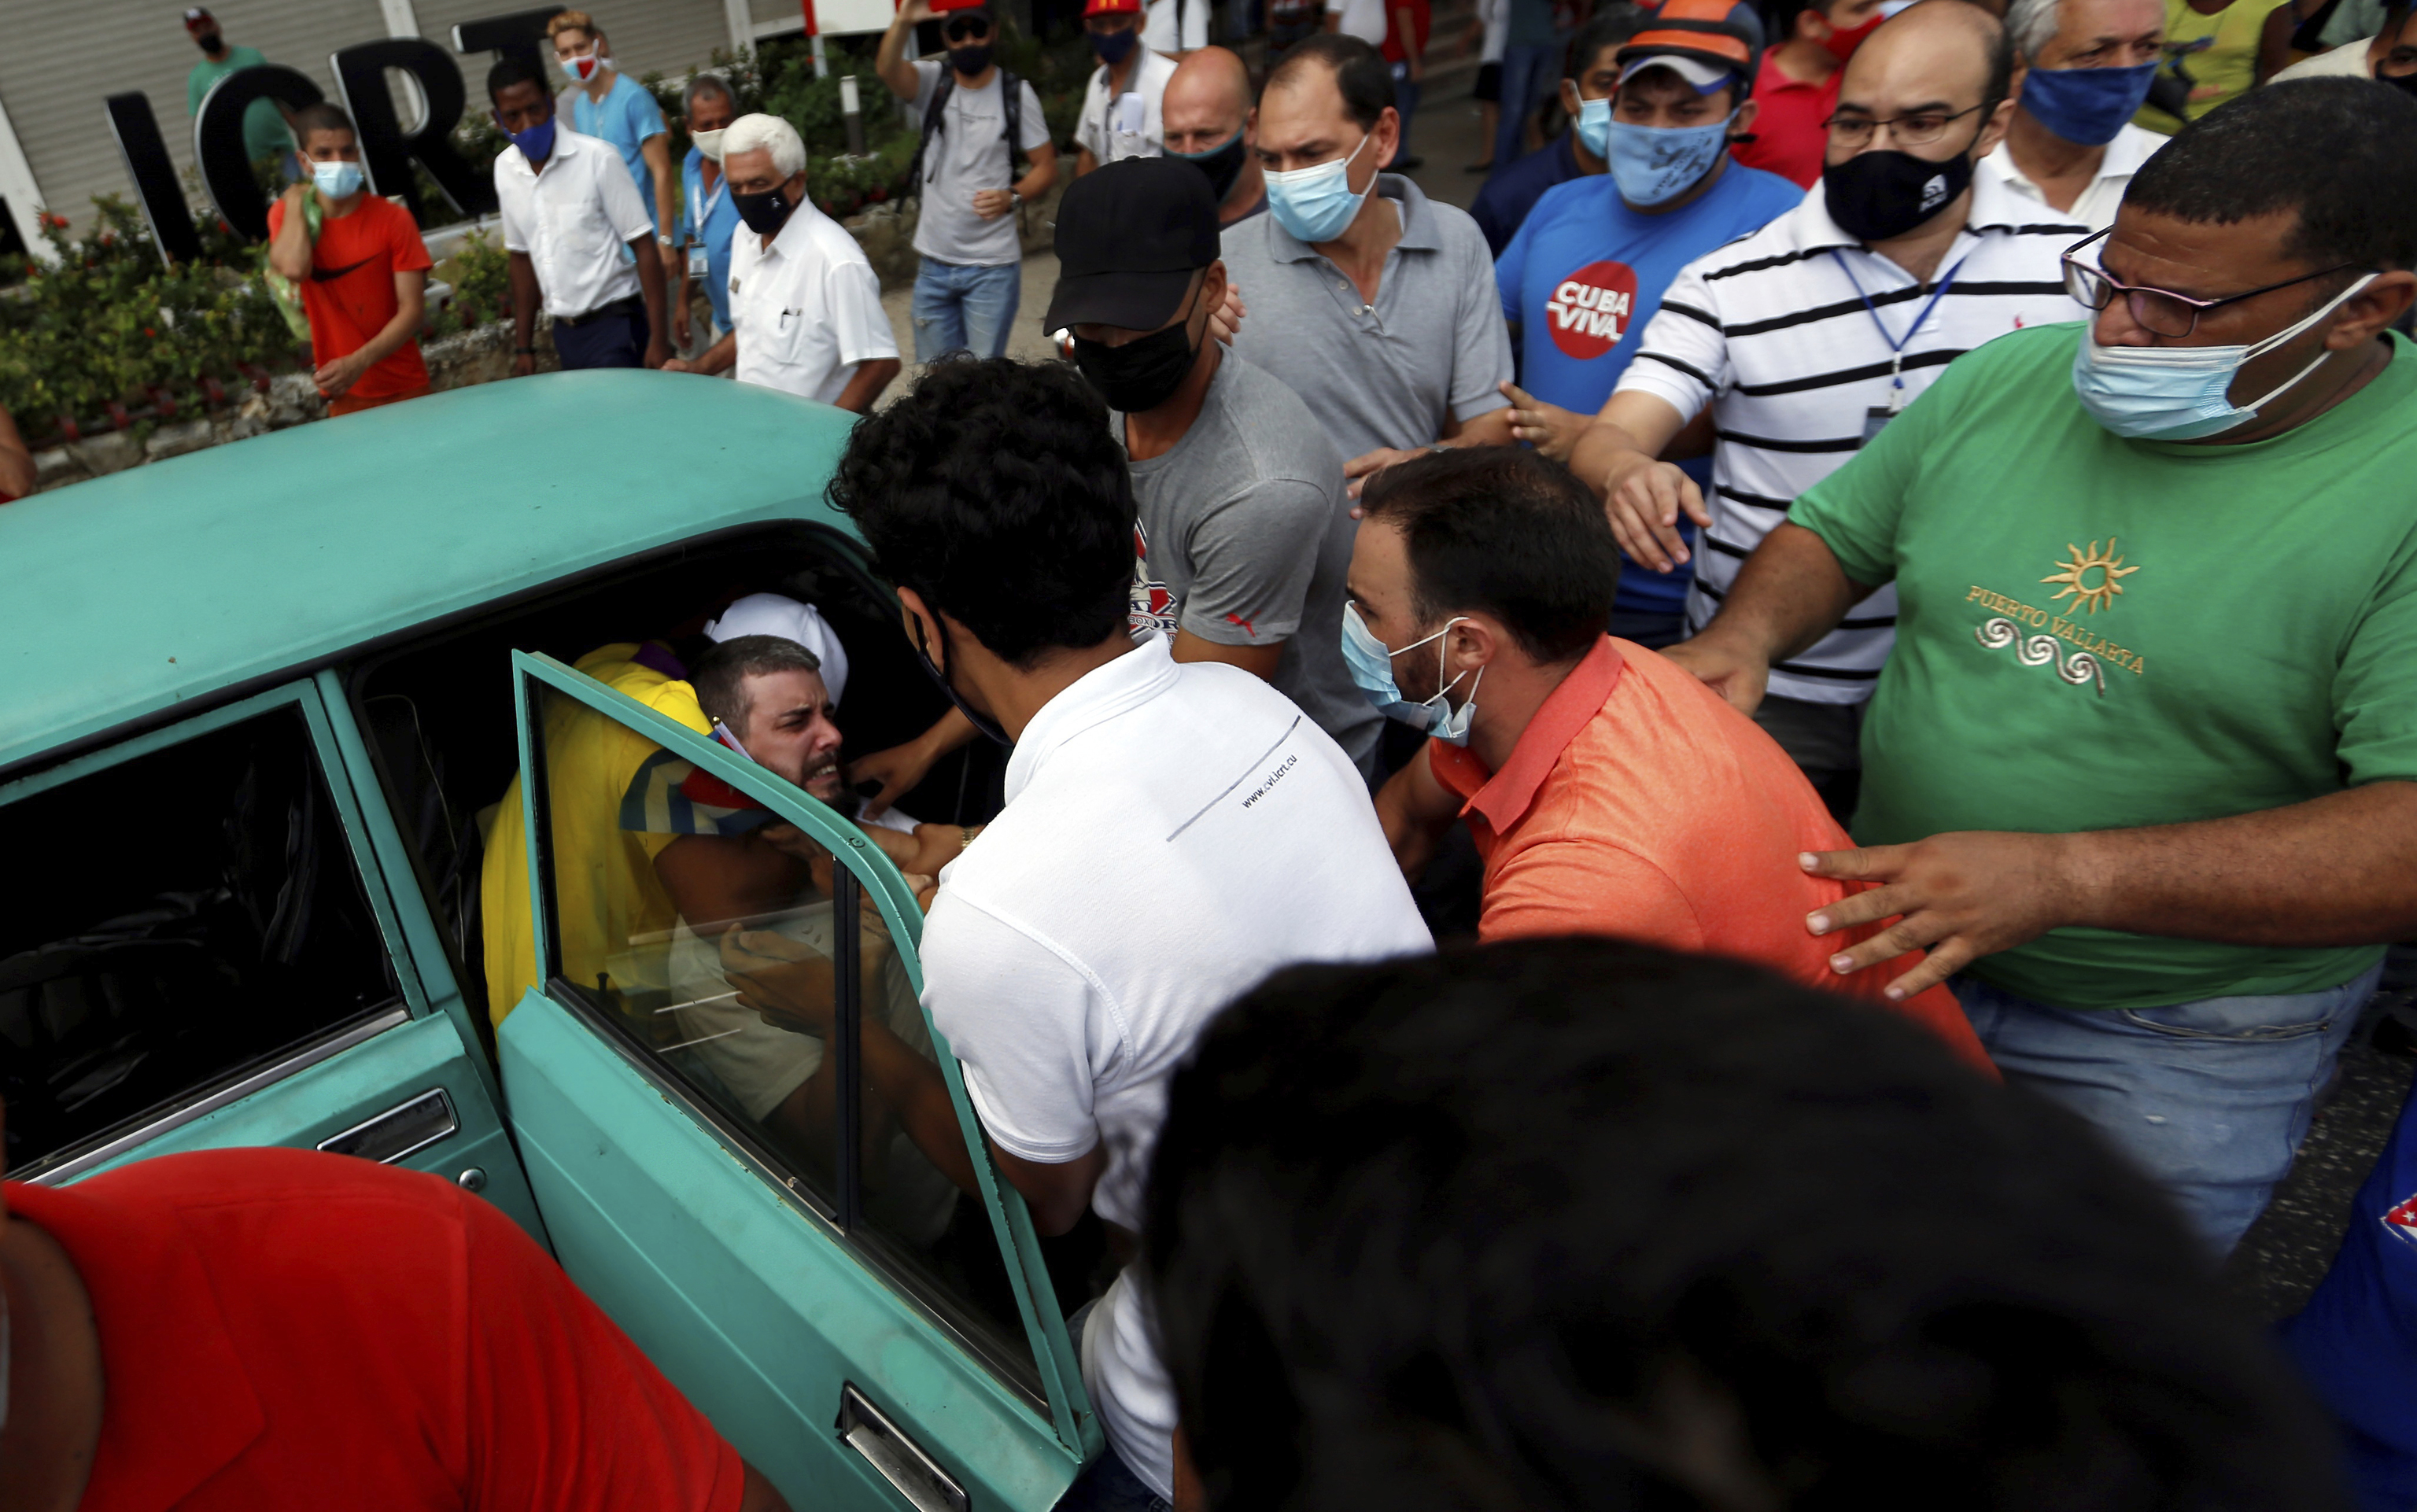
column 1772, row 330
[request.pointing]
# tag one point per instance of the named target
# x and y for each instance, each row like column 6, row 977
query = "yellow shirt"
column 2218, row 52
column 606, row 892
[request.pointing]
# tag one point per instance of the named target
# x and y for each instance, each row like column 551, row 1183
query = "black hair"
column 720, row 675
column 1502, row 530
column 510, row 70
column 1564, row 1224
column 995, row 489
column 1612, row 26
column 2341, row 152
column 1361, row 75
column 325, row 115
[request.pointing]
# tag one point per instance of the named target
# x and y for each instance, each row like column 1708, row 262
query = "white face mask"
column 583, row 67
column 2180, row 393
column 708, row 143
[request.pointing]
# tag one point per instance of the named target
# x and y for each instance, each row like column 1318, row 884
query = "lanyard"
column 1897, row 344
column 704, row 210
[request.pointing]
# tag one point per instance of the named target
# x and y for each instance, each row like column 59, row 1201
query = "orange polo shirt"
column 1638, row 804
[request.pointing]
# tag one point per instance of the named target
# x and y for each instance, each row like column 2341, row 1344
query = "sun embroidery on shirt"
column 2085, row 592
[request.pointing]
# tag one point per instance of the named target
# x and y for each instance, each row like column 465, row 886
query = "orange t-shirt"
column 350, row 294
column 1638, row 804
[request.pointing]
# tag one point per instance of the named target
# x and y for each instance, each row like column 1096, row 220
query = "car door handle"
column 404, row 1129
column 912, row 1472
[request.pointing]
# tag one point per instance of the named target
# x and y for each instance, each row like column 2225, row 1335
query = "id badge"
column 1875, row 419
column 698, row 268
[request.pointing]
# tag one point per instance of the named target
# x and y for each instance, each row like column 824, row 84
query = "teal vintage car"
column 262, row 703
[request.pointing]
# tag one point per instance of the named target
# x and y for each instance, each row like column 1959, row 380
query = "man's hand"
column 789, row 985
column 1740, row 679
column 899, row 770
column 1960, row 896
column 679, row 328
column 524, row 364
column 1228, row 317
column 990, row 203
column 679, row 365
column 1548, row 428
column 1643, row 498
column 658, row 350
column 936, row 846
column 1361, row 468
column 337, row 377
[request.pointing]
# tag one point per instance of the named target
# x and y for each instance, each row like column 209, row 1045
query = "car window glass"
column 179, row 919
column 741, row 959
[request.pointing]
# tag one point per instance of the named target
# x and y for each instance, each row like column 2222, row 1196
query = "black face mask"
column 2406, row 82
column 207, row 41
column 983, row 722
column 1222, row 164
column 1878, row 196
column 1111, row 47
column 764, row 213
column 969, row 61
column 1144, row 373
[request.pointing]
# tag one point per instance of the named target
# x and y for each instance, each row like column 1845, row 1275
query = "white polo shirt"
column 1102, row 128
column 575, row 221
column 807, row 309
column 1173, row 834
column 2096, row 208
column 1771, row 331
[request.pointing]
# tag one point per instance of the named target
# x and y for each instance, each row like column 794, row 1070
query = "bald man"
column 1213, row 124
column 1807, row 338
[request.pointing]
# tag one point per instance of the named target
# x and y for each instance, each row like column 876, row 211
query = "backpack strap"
column 1010, row 95
column 933, row 118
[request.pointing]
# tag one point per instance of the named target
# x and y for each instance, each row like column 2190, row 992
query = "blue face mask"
column 1371, row 670
column 2180, row 393
column 2087, row 105
column 537, row 142
column 337, row 181
column 1594, row 126
column 1653, row 164
column 1316, row 203
column 1113, row 46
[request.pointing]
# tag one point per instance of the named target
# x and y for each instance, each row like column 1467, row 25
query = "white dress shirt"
column 807, row 309
column 575, row 221
column 2096, row 208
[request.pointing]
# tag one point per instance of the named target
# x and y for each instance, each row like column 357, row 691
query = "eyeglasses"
column 961, row 27
column 1918, row 130
column 2161, row 311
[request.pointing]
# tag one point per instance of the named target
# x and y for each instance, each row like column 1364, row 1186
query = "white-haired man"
column 805, row 305
column 2087, row 67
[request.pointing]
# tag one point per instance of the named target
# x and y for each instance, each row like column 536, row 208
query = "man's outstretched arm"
column 1790, row 593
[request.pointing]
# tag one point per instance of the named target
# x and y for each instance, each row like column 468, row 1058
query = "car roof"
column 163, row 584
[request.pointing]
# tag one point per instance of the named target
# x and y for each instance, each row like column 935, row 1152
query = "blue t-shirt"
column 1585, row 276
column 1512, row 190
column 721, row 223
column 626, row 116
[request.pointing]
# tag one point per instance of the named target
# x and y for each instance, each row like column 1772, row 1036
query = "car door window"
column 187, row 913
column 750, row 957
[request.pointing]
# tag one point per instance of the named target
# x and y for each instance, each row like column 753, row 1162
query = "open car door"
column 733, row 1191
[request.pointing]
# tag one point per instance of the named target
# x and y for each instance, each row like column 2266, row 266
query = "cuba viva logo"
column 1591, row 309
column 2088, row 581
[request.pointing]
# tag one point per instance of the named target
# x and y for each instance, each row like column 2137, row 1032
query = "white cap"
column 1706, row 77
column 771, row 614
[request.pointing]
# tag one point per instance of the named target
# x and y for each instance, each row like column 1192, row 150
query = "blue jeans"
column 1405, row 104
column 959, row 308
column 1528, row 74
column 2210, row 1099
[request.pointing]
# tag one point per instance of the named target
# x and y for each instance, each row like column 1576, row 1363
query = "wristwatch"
column 667, row 243
column 1014, row 197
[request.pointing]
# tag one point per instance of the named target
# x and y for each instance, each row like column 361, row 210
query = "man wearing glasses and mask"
column 978, row 122
column 1808, row 337
column 2143, row 773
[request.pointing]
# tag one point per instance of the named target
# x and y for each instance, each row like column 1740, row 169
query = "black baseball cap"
column 1130, row 237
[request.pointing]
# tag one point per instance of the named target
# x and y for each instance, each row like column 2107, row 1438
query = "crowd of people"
column 1864, row 575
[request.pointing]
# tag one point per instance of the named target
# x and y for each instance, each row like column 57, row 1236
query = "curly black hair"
column 995, row 491
column 1582, row 1224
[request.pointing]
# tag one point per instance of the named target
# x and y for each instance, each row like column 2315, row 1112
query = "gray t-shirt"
column 1244, row 538
column 969, row 152
column 1431, row 350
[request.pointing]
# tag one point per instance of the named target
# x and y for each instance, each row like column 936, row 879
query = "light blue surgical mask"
column 1653, row 164
column 2179, row 393
column 1316, row 203
column 1594, row 126
column 1372, row 669
column 337, row 181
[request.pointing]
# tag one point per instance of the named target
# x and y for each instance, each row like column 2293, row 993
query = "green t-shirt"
column 2095, row 633
column 264, row 129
